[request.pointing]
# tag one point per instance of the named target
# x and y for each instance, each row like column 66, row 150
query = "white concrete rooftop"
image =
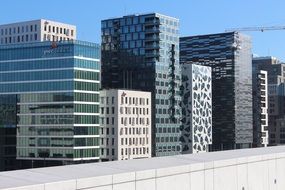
column 82, row 176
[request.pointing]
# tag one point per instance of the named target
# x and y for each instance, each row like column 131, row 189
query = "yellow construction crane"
column 261, row 29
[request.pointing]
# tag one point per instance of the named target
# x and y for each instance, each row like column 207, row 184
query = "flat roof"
column 215, row 34
column 19, row 178
column 36, row 20
column 141, row 14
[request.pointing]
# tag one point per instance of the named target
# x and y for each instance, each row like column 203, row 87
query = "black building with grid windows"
column 141, row 52
column 229, row 55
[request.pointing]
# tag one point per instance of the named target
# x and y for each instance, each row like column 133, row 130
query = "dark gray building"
column 229, row 55
column 141, row 52
column 276, row 97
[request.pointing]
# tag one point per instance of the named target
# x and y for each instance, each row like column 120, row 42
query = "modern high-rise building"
column 229, row 55
column 125, row 123
column 52, row 89
column 141, row 52
column 196, row 106
column 276, row 97
column 36, row 31
column 260, row 107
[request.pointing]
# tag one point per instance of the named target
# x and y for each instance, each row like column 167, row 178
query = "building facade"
column 196, row 106
column 260, row 107
column 276, row 97
column 125, row 124
column 35, row 31
column 8, row 122
column 56, row 90
column 141, row 52
column 229, row 56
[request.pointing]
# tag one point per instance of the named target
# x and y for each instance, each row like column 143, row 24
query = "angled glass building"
column 141, row 52
column 56, row 90
column 229, row 55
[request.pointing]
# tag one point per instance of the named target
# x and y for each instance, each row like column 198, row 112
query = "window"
column 138, row 28
column 31, row 28
column 125, row 45
column 102, row 120
column 129, row 36
column 125, row 29
column 142, row 36
column 132, row 28
column 136, row 36
column 132, row 44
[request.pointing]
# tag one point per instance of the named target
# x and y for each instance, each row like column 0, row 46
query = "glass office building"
column 141, row 52
column 229, row 55
column 56, row 90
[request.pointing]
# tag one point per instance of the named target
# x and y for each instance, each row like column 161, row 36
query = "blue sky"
column 196, row 16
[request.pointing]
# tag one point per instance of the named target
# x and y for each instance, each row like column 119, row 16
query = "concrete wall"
column 257, row 172
column 254, row 173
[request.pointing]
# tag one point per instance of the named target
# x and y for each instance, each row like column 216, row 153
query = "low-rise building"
column 125, row 120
